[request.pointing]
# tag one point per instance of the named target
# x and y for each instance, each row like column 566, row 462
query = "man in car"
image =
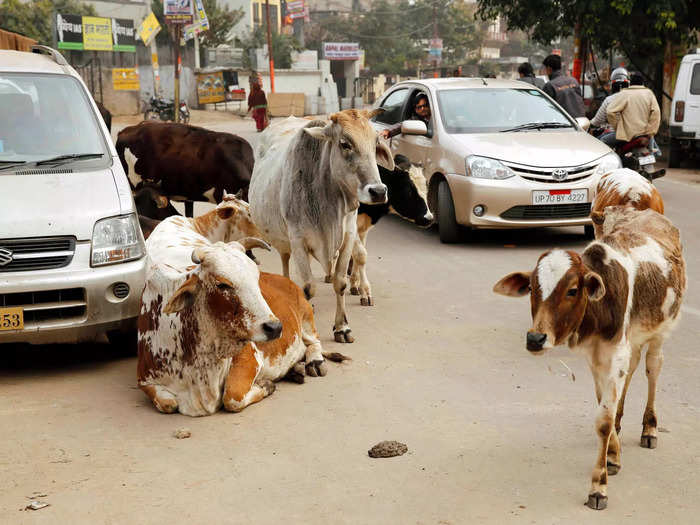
column 564, row 90
column 528, row 75
column 421, row 111
column 634, row 111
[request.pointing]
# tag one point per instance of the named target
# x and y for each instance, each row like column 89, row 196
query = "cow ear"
column 319, row 133
column 374, row 112
column 225, row 212
column 162, row 202
column 594, row 286
column 514, row 284
column 384, row 158
column 402, row 162
column 184, row 296
column 598, row 217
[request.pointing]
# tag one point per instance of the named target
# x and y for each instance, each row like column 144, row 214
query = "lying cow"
column 190, row 162
column 624, row 187
column 306, row 187
column 622, row 293
column 407, row 199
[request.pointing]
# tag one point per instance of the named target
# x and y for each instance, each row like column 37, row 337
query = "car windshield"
column 489, row 110
column 48, row 116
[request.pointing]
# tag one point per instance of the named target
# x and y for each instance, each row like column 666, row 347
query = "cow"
column 105, row 114
column 200, row 307
column 305, row 190
column 623, row 187
column 152, row 207
column 622, row 293
column 189, row 162
column 407, row 198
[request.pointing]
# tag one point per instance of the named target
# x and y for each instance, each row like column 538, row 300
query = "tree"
column 221, row 22
column 282, row 46
column 35, row 18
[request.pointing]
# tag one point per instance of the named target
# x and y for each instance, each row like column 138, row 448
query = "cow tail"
column 336, row 357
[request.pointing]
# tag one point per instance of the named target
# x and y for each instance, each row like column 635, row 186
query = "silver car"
column 497, row 154
column 72, row 263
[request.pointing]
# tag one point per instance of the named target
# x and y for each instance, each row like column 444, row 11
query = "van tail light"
column 680, row 111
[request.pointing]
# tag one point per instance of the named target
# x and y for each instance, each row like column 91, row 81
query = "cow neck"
column 335, row 188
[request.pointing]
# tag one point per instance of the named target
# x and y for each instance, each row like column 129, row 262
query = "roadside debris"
column 36, row 505
column 182, row 433
column 570, row 374
column 387, row 449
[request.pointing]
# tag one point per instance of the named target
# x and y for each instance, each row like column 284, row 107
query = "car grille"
column 548, row 211
column 39, row 253
column 47, row 305
column 576, row 173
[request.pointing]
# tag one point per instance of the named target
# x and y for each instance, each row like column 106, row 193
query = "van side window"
column 695, row 80
column 393, row 104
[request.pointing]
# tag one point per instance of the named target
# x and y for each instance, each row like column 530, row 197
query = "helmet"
column 619, row 74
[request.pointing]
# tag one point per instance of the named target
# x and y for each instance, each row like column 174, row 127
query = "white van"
column 685, row 116
column 72, row 263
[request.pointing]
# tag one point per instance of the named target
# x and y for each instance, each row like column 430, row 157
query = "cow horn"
column 197, row 256
column 254, row 242
column 375, row 112
column 239, row 194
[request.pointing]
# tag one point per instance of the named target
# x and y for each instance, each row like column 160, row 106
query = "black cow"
column 106, row 115
column 152, row 207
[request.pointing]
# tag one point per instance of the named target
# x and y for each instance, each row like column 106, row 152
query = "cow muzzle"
column 535, row 341
column 271, row 329
column 426, row 220
column 374, row 194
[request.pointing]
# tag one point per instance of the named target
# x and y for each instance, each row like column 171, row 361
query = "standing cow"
column 305, row 190
column 188, row 161
column 623, row 293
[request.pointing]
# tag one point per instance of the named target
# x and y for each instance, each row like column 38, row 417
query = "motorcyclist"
column 619, row 79
column 634, row 112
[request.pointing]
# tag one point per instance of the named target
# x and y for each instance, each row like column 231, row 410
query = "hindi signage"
column 178, row 11
column 149, row 28
column 210, row 88
column 93, row 33
column 97, row 33
column 125, row 79
column 341, row 51
column 201, row 22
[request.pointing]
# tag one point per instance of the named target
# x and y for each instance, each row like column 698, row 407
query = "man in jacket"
column 634, row 111
column 619, row 80
column 528, row 75
column 564, row 90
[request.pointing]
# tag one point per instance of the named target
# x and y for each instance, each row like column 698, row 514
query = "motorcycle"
column 159, row 108
column 637, row 155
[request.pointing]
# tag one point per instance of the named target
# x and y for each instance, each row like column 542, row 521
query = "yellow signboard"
column 210, row 87
column 125, row 79
column 149, row 28
column 97, row 33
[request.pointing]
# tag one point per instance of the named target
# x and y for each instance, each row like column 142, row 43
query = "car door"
column 416, row 148
column 692, row 103
column 394, row 104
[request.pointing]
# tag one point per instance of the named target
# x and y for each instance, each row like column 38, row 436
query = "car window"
column 695, row 80
column 487, row 110
column 393, row 105
column 44, row 116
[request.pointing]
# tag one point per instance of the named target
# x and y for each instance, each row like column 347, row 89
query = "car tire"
column 588, row 231
column 450, row 231
column 123, row 343
column 674, row 155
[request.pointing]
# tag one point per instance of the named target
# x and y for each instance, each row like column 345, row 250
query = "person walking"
column 564, row 90
column 528, row 75
column 257, row 102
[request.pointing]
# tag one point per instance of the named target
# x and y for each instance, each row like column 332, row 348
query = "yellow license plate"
column 11, row 319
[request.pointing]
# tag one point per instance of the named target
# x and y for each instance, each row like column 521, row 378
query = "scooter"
column 162, row 109
column 636, row 155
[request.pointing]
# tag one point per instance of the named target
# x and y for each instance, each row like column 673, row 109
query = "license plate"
column 11, row 319
column 559, row 196
column 647, row 159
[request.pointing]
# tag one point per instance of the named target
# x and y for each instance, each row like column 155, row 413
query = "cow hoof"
column 343, row 336
column 613, row 468
column 328, row 279
column 366, row 301
column 268, row 386
column 648, row 442
column 316, row 369
column 597, row 501
column 296, row 373
column 354, row 290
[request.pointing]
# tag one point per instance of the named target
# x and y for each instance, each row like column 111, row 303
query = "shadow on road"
column 23, row 358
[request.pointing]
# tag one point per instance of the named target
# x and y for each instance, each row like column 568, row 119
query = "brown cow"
column 622, row 293
column 623, row 187
column 191, row 162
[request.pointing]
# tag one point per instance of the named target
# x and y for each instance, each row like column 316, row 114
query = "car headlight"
column 485, row 168
column 608, row 163
column 115, row 240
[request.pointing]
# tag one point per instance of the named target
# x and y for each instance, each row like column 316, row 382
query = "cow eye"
column 223, row 286
column 572, row 292
column 345, row 145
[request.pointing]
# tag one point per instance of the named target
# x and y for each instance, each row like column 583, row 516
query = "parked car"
column 685, row 118
column 72, row 255
column 497, row 154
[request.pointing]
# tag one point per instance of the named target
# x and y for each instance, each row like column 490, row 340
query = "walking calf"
column 622, row 293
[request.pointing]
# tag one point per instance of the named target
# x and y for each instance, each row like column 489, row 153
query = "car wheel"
column 588, row 231
column 674, row 155
column 447, row 223
column 123, row 343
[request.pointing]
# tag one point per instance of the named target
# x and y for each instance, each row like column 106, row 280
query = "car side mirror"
column 584, row 123
column 413, row 127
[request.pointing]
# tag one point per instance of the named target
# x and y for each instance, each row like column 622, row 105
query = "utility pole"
column 269, row 47
column 177, row 30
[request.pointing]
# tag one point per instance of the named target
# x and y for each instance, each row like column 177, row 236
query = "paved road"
column 495, row 435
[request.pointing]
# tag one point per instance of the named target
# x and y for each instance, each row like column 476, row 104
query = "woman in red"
column 257, row 103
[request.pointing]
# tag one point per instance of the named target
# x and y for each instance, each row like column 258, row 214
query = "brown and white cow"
column 623, row 187
column 622, row 293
